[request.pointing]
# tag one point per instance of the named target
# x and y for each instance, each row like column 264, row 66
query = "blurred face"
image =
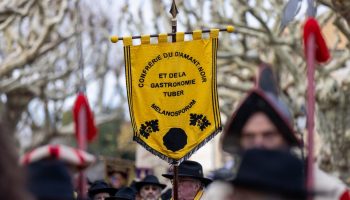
column 260, row 132
column 101, row 196
column 150, row 192
column 117, row 180
column 188, row 188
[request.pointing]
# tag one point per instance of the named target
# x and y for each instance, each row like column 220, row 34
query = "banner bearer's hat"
column 190, row 169
column 263, row 98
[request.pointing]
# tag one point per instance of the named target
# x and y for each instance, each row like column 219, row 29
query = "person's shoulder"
column 327, row 179
column 329, row 184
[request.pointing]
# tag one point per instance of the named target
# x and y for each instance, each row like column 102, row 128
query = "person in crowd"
column 133, row 187
column 12, row 182
column 100, row 190
column 269, row 174
column 118, row 179
column 150, row 188
column 166, row 195
column 264, row 121
column 191, row 181
column 74, row 160
column 49, row 179
column 125, row 193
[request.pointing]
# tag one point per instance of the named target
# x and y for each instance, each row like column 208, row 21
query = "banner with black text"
column 172, row 93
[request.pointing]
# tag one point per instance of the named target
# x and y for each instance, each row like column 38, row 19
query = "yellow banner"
column 172, row 94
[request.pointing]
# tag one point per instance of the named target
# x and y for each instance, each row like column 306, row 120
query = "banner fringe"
column 154, row 152
column 187, row 156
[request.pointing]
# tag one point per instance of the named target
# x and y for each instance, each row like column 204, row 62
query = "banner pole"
column 311, row 102
column 311, row 111
column 175, row 180
column 115, row 38
column 82, row 142
column 173, row 11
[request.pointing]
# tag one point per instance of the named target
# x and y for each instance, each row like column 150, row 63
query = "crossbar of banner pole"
column 229, row 29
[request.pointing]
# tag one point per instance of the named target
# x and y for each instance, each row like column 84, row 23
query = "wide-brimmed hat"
column 100, row 186
column 271, row 171
column 263, row 98
column 50, row 179
column 125, row 193
column 190, row 169
column 149, row 180
column 74, row 158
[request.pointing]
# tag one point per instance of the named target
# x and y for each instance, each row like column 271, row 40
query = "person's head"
column 149, row 188
column 101, row 196
column 99, row 190
column 150, row 192
column 269, row 174
column 188, row 188
column 260, row 132
column 50, row 179
column 118, row 179
column 191, row 179
column 262, row 119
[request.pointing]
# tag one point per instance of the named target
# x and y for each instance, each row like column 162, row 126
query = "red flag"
column 83, row 119
column 312, row 27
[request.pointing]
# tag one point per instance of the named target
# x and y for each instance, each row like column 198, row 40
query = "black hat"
column 167, row 194
column 50, row 179
column 271, row 171
column 133, row 186
column 263, row 98
column 100, row 187
column 149, row 180
column 190, row 169
column 125, row 193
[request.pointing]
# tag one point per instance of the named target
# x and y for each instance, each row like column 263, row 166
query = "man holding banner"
column 191, row 180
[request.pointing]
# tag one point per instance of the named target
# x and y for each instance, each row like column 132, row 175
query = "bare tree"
column 39, row 66
column 258, row 39
column 39, row 57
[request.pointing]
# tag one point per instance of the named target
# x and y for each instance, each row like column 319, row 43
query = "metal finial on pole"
column 173, row 11
column 311, row 8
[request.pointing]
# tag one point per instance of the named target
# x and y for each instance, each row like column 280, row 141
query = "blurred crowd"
column 259, row 135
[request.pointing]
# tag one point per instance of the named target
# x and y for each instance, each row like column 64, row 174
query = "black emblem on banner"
column 175, row 139
column 149, row 127
column 199, row 120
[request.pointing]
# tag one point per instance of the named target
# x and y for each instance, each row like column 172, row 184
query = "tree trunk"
column 17, row 102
